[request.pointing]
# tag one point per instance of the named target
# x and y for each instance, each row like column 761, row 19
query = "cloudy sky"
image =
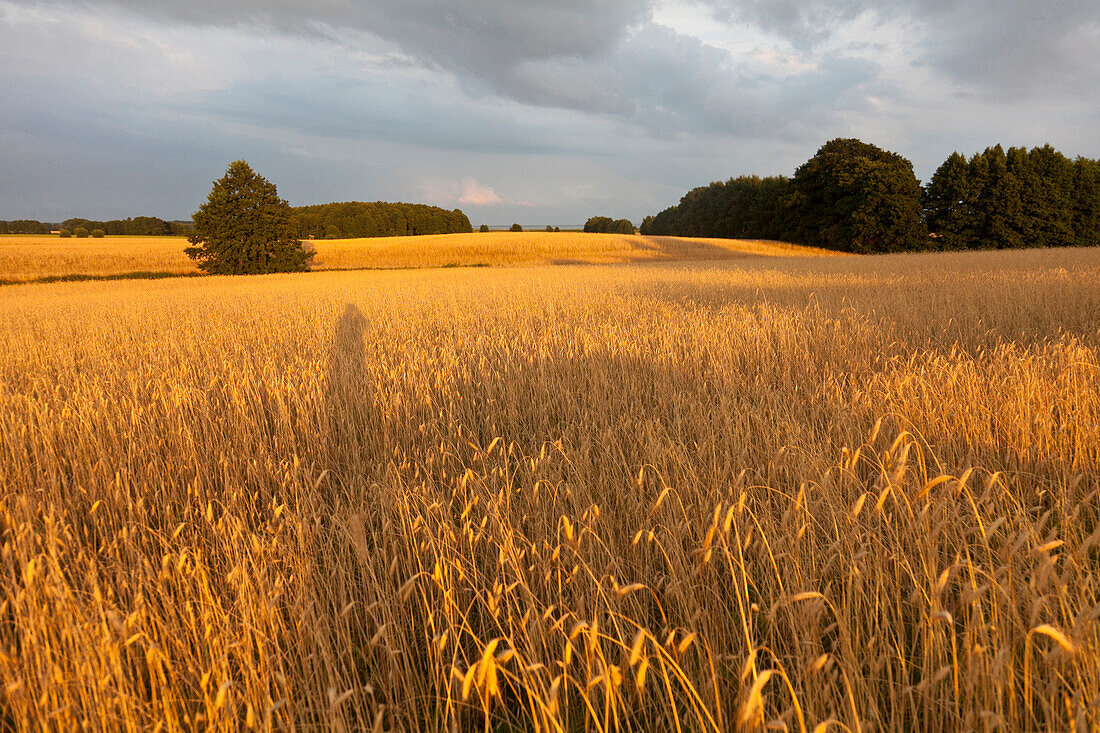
column 537, row 111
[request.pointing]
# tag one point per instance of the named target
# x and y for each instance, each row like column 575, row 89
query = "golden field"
column 795, row 493
column 537, row 248
column 26, row 258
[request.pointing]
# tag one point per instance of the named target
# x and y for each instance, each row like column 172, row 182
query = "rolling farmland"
column 26, row 257
column 858, row 493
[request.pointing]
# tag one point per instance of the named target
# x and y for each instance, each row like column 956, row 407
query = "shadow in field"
column 665, row 250
column 349, row 411
column 535, row 436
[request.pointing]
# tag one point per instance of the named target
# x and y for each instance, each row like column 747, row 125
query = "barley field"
column 807, row 494
column 28, row 258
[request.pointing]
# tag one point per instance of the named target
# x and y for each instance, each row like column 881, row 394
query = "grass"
column 26, row 258
column 834, row 493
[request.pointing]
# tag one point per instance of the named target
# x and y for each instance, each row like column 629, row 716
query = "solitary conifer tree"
column 244, row 228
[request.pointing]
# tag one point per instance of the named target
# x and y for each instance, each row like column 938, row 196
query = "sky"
column 531, row 111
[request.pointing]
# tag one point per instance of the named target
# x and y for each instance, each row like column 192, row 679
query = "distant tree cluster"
column 1018, row 198
column 143, row 226
column 748, row 207
column 356, row 219
column 607, row 225
column 856, row 197
column 25, row 226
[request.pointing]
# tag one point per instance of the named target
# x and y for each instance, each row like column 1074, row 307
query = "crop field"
column 807, row 494
column 28, row 258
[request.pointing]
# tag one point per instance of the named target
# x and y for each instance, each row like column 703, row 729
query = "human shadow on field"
column 347, row 407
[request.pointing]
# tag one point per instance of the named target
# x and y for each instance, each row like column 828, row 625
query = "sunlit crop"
column 809, row 494
column 26, row 258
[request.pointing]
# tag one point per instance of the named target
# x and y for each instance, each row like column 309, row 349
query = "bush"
column 598, row 225
column 244, row 228
column 64, row 234
column 549, row 228
column 332, row 232
column 80, row 233
column 607, row 225
column 98, row 234
column 516, row 228
column 484, row 228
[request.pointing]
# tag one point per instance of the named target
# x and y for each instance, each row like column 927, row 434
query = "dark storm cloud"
column 1005, row 47
column 357, row 109
column 641, row 98
column 803, row 22
column 491, row 39
column 679, row 83
column 601, row 56
column 543, row 52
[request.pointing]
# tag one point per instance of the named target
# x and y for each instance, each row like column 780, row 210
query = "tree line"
column 333, row 221
column 142, row 226
column 355, row 219
column 145, row 226
column 25, row 226
column 856, row 197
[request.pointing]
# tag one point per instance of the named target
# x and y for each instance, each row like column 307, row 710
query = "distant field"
column 802, row 494
column 31, row 257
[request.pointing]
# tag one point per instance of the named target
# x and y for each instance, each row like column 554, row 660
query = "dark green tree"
column 98, row 234
column 64, row 234
column 1047, row 189
column 80, row 233
column 598, row 225
column 1086, row 202
column 747, row 207
column 516, row 228
column 998, row 210
column 332, row 232
column 948, row 205
column 484, row 228
column 856, row 197
column 244, row 228
column 622, row 226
